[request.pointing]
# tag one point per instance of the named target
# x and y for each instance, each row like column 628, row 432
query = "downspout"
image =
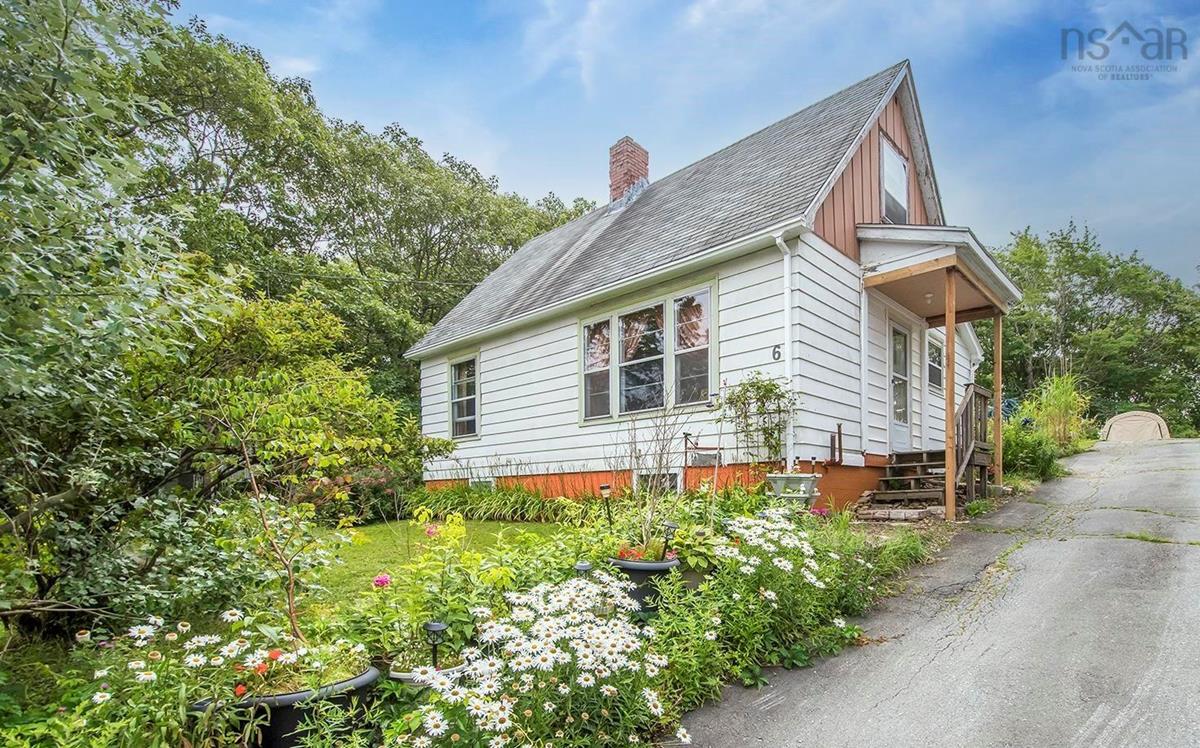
column 790, row 448
column 864, row 326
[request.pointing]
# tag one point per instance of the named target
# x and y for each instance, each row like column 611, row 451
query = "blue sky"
column 536, row 92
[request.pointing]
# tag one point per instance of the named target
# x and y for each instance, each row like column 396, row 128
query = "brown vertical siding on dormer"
column 855, row 197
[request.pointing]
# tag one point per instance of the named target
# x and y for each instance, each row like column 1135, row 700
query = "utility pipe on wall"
column 790, row 447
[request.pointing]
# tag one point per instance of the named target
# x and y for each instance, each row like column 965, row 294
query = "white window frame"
column 451, row 399
column 668, row 326
column 667, row 298
column 930, row 344
column 677, row 352
column 584, row 371
column 885, row 146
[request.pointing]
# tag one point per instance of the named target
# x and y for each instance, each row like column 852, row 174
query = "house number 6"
column 777, row 352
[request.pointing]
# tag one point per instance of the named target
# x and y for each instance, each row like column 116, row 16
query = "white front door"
column 901, row 399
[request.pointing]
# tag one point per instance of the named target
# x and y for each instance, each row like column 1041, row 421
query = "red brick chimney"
column 628, row 163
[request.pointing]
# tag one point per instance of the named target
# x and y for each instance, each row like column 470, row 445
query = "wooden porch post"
column 998, row 398
column 951, row 391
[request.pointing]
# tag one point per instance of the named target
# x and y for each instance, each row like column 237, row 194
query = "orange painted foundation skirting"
column 839, row 484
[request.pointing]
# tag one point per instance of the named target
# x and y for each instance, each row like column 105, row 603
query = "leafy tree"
column 1129, row 332
column 85, row 282
column 369, row 224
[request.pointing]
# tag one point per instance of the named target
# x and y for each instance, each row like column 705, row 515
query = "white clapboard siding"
column 529, row 385
column 828, row 369
column 529, row 378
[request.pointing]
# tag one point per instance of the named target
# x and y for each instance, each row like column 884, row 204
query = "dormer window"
column 895, row 185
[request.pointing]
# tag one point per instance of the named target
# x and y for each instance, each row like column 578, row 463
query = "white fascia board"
column 959, row 237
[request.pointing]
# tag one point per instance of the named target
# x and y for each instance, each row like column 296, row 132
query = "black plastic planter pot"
column 642, row 573
column 285, row 712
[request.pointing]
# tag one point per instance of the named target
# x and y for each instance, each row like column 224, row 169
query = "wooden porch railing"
column 971, row 427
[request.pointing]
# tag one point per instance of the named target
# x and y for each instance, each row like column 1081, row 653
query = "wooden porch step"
column 912, row 457
column 910, row 494
column 931, row 465
column 938, row 477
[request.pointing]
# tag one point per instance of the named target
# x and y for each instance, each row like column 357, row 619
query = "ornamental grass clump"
column 566, row 665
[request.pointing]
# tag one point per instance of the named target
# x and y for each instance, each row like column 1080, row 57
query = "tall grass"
column 1050, row 423
column 1059, row 404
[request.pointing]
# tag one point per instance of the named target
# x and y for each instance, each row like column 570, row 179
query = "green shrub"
column 1028, row 449
column 979, row 507
column 502, row 505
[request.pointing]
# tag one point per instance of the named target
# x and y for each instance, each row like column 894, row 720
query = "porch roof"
column 908, row 264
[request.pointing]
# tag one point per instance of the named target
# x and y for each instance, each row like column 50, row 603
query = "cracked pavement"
column 1070, row 617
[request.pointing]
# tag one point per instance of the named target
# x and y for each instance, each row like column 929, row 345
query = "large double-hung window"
column 659, row 355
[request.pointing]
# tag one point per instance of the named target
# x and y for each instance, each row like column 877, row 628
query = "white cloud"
column 289, row 66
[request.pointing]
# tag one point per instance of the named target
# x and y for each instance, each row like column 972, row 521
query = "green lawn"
column 383, row 547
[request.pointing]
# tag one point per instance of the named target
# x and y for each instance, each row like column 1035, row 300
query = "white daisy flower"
column 100, row 697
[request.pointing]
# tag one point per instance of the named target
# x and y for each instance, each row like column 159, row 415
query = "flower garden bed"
column 531, row 649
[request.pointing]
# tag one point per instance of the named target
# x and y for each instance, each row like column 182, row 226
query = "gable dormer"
column 888, row 179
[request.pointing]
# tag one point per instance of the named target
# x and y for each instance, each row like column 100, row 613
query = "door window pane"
column 899, row 401
column 899, row 353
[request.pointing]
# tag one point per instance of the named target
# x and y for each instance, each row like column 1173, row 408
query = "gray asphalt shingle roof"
column 763, row 179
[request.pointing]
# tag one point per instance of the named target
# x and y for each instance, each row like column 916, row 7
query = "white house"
column 814, row 250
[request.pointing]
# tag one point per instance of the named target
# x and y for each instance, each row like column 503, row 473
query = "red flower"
column 239, row 690
column 238, row 667
column 274, row 654
column 260, row 668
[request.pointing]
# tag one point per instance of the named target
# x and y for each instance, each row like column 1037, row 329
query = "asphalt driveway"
column 1067, row 618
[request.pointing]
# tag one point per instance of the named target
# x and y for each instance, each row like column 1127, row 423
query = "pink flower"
column 820, row 511
column 383, row 580
column 431, row 530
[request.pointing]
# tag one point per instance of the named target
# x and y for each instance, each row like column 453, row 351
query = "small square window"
column 935, row 364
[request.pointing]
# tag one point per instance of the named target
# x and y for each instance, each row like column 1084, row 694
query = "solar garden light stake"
column 435, row 631
column 582, row 568
column 605, row 494
column 670, row 527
